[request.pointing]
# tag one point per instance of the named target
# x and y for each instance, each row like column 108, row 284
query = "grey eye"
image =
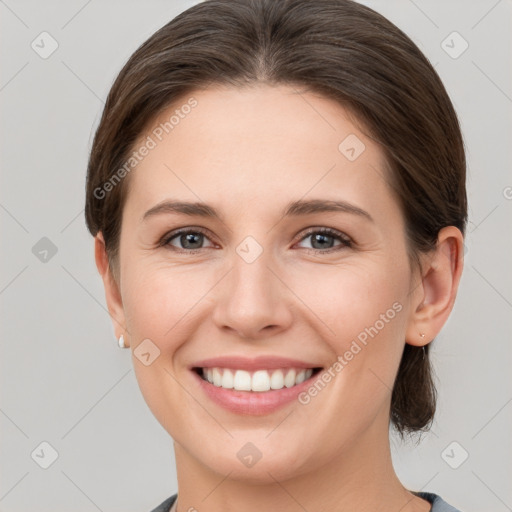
column 188, row 240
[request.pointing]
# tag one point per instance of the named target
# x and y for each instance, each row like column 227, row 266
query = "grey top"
column 438, row 504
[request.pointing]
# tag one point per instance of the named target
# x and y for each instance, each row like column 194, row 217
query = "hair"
column 338, row 49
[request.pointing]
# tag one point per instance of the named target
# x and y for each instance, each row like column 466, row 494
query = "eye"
column 189, row 240
column 323, row 240
column 192, row 240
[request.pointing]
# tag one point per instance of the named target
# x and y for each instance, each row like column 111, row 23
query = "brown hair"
column 337, row 48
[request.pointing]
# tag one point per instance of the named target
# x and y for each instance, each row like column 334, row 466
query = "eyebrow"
column 295, row 208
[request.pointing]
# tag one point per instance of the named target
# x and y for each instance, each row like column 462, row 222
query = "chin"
column 259, row 467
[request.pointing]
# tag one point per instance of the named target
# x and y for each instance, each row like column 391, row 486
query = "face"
column 265, row 283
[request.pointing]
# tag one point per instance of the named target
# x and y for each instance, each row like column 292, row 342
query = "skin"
column 248, row 152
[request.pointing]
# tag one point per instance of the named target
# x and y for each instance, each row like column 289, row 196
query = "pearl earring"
column 120, row 342
column 422, row 334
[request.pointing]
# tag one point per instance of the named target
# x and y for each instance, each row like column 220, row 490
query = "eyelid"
column 165, row 240
column 346, row 241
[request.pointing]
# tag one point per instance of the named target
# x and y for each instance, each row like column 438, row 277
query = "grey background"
column 63, row 379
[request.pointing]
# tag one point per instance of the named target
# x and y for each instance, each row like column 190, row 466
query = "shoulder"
column 166, row 505
column 438, row 504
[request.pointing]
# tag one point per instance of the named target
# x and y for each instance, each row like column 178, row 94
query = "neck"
column 360, row 477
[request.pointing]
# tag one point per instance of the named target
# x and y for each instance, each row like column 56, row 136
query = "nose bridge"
column 252, row 298
column 250, row 275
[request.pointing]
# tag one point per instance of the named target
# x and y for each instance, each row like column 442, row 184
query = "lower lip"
column 253, row 402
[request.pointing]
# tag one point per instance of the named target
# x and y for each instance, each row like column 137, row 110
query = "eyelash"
column 346, row 241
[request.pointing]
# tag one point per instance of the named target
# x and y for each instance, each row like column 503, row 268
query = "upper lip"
column 255, row 363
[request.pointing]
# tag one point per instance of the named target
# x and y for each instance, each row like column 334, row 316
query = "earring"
column 120, row 342
column 423, row 348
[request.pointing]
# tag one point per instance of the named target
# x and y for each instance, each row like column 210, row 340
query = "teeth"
column 227, row 379
column 242, row 381
column 217, row 377
column 260, row 380
column 289, row 380
column 277, row 379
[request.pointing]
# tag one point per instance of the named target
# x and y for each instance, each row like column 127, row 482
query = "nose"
column 253, row 302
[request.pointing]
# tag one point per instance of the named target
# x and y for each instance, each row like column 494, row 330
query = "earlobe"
column 112, row 293
column 434, row 298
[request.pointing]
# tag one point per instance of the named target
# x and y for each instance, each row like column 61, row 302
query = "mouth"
column 253, row 386
column 257, row 381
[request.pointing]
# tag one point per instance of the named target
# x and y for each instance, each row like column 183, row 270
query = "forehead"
column 256, row 145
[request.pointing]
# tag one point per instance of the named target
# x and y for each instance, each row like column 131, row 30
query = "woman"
column 277, row 195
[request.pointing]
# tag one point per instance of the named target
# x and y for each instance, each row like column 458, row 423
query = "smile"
column 256, row 381
column 253, row 392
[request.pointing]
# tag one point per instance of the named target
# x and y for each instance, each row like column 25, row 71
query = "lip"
column 235, row 362
column 253, row 403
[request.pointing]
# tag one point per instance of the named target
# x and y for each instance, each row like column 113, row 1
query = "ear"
column 112, row 294
column 434, row 295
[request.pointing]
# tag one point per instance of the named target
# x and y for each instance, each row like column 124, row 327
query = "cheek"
column 354, row 298
column 161, row 304
column 359, row 310
column 159, row 298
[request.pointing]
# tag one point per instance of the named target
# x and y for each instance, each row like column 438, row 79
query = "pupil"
column 191, row 238
column 319, row 237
